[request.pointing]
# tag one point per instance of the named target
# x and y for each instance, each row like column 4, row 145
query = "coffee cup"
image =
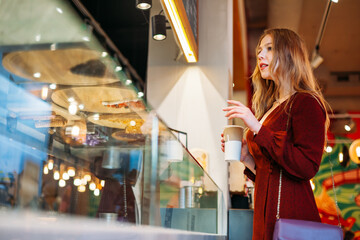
column 233, row 140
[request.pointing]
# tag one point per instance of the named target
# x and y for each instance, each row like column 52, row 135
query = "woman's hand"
column 239, row 110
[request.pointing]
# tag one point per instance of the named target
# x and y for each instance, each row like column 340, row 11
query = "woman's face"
column 265, row 56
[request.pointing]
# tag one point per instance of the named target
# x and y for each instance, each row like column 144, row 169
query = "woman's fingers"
column 236, row 103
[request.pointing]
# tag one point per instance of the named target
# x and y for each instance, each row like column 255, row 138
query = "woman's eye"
column 269, row 48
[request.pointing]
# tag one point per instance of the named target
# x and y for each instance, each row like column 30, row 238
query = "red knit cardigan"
column 298, row 152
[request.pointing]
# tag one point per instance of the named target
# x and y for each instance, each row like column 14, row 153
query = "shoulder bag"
column 292, row 229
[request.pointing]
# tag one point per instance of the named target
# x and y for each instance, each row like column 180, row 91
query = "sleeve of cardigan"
column 301, row 156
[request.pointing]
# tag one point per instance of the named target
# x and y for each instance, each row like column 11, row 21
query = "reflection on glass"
column 77, row 137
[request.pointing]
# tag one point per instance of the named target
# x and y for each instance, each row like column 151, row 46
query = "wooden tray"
column 93, row 98
column 120, row 121
column 75, row 66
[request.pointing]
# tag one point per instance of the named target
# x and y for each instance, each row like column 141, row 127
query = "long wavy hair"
column 290, row 63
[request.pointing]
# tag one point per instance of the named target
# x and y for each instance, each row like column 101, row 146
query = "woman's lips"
column 263, row 66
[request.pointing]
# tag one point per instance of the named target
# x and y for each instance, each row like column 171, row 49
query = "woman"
column 287, row 131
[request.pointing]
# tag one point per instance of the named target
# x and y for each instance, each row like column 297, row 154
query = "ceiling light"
column 46, row 170
column 53, row 47
column 52, row 86
column 37, row 75
column 140, row 94
column 104, row 54
column 56, row 175
column 347, row 127
column 81, row 106
column 143, row 4
column 118, row 68
column 71, row 172
column 128, row 82
column 77, row 182
column 158, row 26
column 329, row 149
column 335, row 1
column 96, row 192
column 51, row 164
column 179, row 22
column 44, row 92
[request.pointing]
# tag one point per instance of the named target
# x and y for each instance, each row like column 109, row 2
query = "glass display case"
column 77, row 136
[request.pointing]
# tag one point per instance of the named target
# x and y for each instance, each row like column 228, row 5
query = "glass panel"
column 76, row 135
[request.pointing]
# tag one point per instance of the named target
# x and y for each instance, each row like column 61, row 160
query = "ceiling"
column 127, row 26
column 339, row 73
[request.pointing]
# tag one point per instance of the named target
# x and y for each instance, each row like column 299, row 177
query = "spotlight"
column 316, row 61
column 158, row 24
column 143, row 4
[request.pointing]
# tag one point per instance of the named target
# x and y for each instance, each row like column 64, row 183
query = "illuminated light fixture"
column 56, row 175
column 77, row 182
column 75, row 131
column 118, row 68
column 86, row 39
column 87, row 177
column 104, row 54
column 71, row 99
column 96, row 116
column 179, row 22
column 92, row 186
column 132, row 123
column 51, row 164
column 128, row 82
column 347, row 127
column 329, row 149
column 37, row 75
column 143, row 4
column 46, row 170
column 81, row 188
column 341, row 157
column 140, row 94
column 52, row 86
column 62, row 183
column 71, row 172
column 44, row 92
column 83, row 181
column 96, row 192
column 81, row 106
column 335, row 1
column 102, row 183
column 73, row 108
column 65, row 176
column 158, row 26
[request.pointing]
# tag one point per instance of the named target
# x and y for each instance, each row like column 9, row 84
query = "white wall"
column 190, row 97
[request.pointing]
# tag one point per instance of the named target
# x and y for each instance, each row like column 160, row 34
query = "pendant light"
column 158, row 25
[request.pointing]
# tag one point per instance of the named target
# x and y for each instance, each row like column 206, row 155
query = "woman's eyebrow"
column 266, row 44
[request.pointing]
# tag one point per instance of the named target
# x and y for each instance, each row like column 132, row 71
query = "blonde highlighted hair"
column 290, row 63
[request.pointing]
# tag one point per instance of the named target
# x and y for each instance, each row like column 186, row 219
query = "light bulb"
column 51, row 164
column 71, row 171
column 347, row 127
column 87, row 177
column 46, row 170
column 81, row 188
column 92, row 186
column 62, row 183
column 77, row 182
column 44, row 92
column 56, row 175
column 65, row 176
column 73, row 108
column 102, row 183
column 96, row 192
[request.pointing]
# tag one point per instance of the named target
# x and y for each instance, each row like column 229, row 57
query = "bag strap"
column 280, row 179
